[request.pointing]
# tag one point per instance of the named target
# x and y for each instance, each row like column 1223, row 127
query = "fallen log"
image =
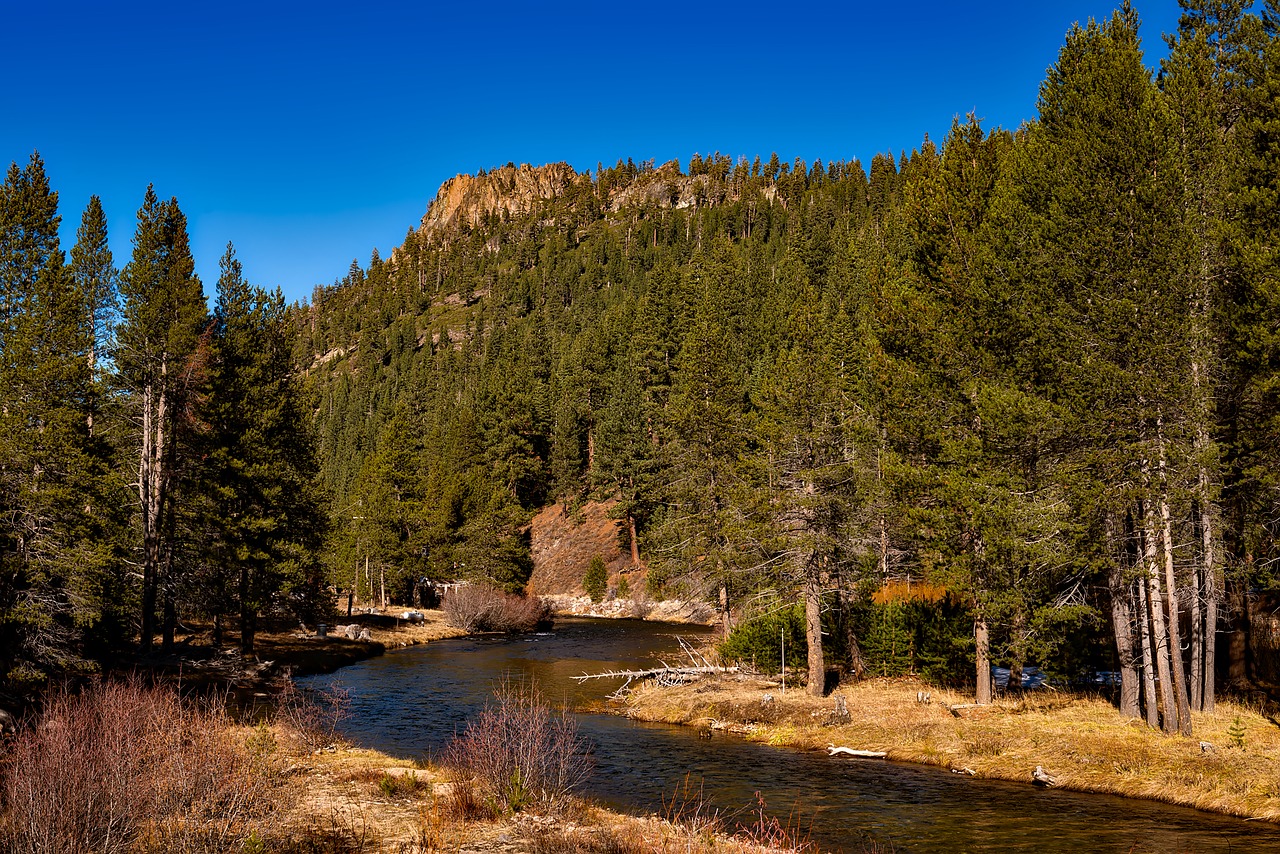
column 832, row 750
column 666, row 675
column 655, row 671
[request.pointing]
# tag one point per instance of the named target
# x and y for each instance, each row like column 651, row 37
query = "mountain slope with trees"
column 1030, row 369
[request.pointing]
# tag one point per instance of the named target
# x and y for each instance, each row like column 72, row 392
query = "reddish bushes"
column 481, row 608
column 521, row 753
column 123, row 767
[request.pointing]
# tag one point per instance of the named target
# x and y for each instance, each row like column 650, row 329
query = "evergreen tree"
column 163, row 316
column 50, row 564
column 96, row 278
column 258, row 464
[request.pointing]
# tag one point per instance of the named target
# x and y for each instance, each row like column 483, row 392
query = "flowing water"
column 410, row 702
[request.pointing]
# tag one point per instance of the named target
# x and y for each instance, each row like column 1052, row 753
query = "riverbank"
column 370, row 802
column 296, row 651
column 674, row 611
column 1081, row 742
column 130, row 768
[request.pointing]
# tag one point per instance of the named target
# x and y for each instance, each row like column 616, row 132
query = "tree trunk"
column 1150, row 704
column 248, row 623
column 150, row 556
column 813, row 632
column 1206, row 625
column 151, row 477
column 1122, row 623
column 857, row 665
column 983, row 638
column 1159, row 629
column 635, row 540
column 725, row 622
column 1196, row 597
column 1238, row 639
column 1175, row 631
column 1179, row 685
column 1210, row 660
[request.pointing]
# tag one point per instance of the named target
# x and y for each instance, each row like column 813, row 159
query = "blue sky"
column 310, row 133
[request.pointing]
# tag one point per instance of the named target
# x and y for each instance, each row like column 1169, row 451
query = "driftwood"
column 960, row 707
column 1041, row 778
column 666, row 675
column 832, row 750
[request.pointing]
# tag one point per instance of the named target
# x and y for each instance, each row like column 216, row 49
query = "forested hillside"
column 1008, row 399
column 1034, row 369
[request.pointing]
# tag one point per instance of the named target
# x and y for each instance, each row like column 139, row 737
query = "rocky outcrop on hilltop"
column 668, row 187
column 466, row 200
column 514, row 191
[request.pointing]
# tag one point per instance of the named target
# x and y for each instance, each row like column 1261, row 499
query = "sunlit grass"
column 1082, row 741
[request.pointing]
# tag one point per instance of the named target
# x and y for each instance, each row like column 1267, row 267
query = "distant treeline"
column 1037, row 369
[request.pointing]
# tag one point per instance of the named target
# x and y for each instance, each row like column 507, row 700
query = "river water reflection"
column 410, row 702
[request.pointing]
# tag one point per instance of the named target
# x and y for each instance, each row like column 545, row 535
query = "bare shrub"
column 481, row 608
column 766, row 831
column 312, row 717
column 127, row 767
column 689, row 809
column 520, row 752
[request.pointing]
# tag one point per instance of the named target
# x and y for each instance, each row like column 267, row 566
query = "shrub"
column 481, row 608
column 312, row 717
column 520, row 752
column 758, row 642
column 596, row 580
column 125, row 767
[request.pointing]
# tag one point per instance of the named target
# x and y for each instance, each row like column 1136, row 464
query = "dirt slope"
column 564, row 542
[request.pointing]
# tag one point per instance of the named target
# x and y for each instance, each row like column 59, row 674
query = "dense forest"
column 155, row 458
column 1010, row 399
column 1030, row 371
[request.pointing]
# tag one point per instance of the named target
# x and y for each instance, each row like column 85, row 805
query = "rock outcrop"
column 469, row 199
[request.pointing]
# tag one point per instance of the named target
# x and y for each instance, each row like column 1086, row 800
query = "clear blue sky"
column 310, row 133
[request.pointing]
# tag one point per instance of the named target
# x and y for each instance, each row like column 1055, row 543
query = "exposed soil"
column 563, row 542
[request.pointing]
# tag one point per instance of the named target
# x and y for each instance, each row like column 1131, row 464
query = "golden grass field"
column 1082, row 741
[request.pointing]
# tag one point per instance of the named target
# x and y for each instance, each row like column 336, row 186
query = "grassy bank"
column 129, row 768
column 1081, row 741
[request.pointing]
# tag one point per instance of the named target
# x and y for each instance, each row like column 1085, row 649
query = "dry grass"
column 1082, row 741
column 346, row 808
column 125, row 767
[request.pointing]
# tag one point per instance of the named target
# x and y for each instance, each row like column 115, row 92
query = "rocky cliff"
column 468, row 199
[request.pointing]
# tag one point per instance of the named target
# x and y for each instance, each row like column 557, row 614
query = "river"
column 410, row 702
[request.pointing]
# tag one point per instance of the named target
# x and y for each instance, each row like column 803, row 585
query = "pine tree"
column 50, row 585
column 259, row 463
column 1204, row 80
column 1090, row 238
column 96, row 278
column 163, row 316
column 819, row 445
